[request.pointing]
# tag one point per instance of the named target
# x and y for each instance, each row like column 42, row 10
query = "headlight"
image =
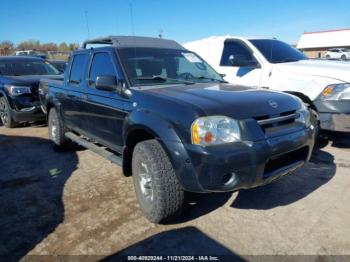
column 304, row 115
column 18, row 90
column 336, row 92
column 214, row 130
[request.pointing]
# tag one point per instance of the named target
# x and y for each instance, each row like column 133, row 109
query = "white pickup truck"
column 273, row 64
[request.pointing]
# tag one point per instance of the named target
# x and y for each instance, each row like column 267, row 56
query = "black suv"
column 172, row 122
column 19, row 81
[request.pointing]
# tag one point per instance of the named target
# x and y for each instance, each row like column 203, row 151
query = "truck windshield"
column 276, row 51
column 157, row 66
column 26, row 67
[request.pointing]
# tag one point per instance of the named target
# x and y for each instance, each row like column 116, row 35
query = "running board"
column 95, row 148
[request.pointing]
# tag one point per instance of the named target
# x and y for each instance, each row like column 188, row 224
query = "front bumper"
column 334, row 114
column 240, row 165
column 26, row 109
column 28, row 114
column 335, row 122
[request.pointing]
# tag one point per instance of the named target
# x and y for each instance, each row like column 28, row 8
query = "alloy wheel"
column 4, row 112
column 145, row 182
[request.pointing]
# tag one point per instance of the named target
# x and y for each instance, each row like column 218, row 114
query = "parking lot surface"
column 77, row 203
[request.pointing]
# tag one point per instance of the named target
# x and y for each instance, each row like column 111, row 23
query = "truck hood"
column 238, row 102
column 335, row 70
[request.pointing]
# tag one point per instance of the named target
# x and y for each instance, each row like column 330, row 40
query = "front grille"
column 285, row 160
column 271, row 121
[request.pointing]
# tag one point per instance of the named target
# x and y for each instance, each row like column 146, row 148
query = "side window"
column 101, row 65
column 77, row 70
column 236, row 49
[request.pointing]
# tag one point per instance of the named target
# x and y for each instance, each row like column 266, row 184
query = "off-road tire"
column 5, row 114
column 57, row 131
column 168, row 195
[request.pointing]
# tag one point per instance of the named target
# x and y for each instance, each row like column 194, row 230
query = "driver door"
column 104, row 110
column 247, row 76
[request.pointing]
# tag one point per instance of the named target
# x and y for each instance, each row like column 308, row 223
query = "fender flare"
column 52, row 102
column 152, row 123
column 167, row 136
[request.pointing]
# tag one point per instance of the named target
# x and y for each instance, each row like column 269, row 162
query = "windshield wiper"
column 211, row 79
column 164, row 79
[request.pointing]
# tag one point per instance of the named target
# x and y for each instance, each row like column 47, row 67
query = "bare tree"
column 6, row 45
column 29, row 45
column 63, row 47
column 73, row 46
column 48, row 47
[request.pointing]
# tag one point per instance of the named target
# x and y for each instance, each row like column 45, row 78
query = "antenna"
column 132, row 19
column 87, row 23
column 161, row 33
column 116, row 24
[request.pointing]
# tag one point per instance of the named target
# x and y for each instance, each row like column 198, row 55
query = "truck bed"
column 44, row 90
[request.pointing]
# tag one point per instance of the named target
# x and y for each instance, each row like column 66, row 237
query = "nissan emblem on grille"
column 273, row 104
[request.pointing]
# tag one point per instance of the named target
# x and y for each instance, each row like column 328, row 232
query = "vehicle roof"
column 134, row 41
column 250, row 38
column 20, row 58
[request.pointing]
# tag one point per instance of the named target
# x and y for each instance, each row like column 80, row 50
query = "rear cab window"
column 77, row 69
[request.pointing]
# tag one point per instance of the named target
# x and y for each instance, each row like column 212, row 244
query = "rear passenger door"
column 105, row 109
column 73, row 97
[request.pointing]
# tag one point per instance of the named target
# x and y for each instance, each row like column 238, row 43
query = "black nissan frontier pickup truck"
column 172, row 122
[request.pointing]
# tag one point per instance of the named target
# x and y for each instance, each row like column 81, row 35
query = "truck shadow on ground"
column 187, row 241
column 319, row 171
column 335, row 139
column 340, row 140
column 197, row 205
column 31, row 204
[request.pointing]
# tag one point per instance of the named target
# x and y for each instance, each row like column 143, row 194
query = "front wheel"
column 157, row 188
column 343, row 57
column 5, row 114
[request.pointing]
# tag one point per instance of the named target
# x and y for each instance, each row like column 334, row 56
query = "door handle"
column 84, row 96
column 90, row 82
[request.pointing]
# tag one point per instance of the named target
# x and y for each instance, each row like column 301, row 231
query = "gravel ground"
column 77, row 203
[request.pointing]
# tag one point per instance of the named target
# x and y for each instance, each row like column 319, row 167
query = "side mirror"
column 242, row 61
column 106, row 83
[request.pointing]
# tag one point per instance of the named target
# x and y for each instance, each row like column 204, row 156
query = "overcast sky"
column 181, row 20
